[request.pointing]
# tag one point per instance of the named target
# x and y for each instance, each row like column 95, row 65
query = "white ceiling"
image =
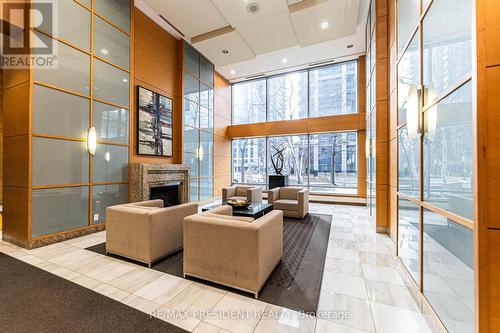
column 259, row 43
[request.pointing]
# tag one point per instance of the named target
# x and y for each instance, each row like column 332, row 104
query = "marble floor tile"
column 341, row 266
column 86, row 282
column 381, row 273
column 111, row 292
column 325, row 326
column 339, row 253
column 141, row 304
column 378, row 259
column 177, row 318
column 163, row 289
column 237, row 313
column 135, row 279
column 110, row 271
column 373, row 247
column 196, row 298
column 390, row 319
column 344, row 284
column 391, row 294
column 281, row 320
column 342, row 235
column 205, row 327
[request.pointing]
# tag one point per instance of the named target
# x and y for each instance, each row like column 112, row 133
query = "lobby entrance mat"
column 295, row 283
column 33, row 300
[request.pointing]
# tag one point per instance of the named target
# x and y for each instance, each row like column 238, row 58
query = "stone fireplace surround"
column 143, row 176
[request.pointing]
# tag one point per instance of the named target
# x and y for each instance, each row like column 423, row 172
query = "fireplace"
column 170, row 193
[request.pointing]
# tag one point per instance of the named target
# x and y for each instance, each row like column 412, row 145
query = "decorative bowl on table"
column 238, row 203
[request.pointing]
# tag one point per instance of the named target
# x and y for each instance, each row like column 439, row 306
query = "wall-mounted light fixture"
column 200, row 153
column 430, row 115
column 91, row 140
column 413, row 112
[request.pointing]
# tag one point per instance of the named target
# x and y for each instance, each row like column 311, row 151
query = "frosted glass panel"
column 72, row 71
column 117, row 11
column 59, row 209
column 408, row 15
column 111, row 44
column 110, row 164
column 59, row 113
column 111, row 84
column 104, row 196
column 59, row 162
column 111, row 123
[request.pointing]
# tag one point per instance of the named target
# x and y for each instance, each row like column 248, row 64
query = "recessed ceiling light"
column 284, row 60
column 225, row 51
column 253, row 8
column 104, row 51
column 324, row 25
column 350, row 46
column 232, row 72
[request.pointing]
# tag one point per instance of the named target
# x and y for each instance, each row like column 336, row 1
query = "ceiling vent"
column 253, row 8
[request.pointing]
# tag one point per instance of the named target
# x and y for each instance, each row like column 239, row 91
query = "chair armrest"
column 273, row 195
column 228, row 192
column 158, row 203
column 254, row 194
column 303, row 200
column 222, row 210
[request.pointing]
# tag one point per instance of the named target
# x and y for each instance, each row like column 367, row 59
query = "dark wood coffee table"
column 254, row 210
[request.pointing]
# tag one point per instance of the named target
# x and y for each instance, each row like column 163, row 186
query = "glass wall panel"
column 59, row 162
column 207, row 142
column 408, row 16
column 408, row 81
column 58, row 113
column 191, row 160
column 295, row 154
column 191, row 88
column 111, row 123
column 447, row 45
column 448, row 153
column 408, row 237
column 333, row 89
column 206, row 188
column 59, row 209
column 104, row 196
column 117, row 11
column 72, row 72
column 408, row 164
column 333, row 163
column 194, row 189
column 111, row 44
column 249, row 102
column 191, row 139
column 191, row 113
column 111, row 84
column 249, row 161
column 206, row 96
column 110, row 164
column 287, row 96
column 449, row 272
column 73, row 24
column 191, row 61
column 206, row 165
column 206, row 71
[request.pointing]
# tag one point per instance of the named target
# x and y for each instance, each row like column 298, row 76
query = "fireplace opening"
column 170, row 193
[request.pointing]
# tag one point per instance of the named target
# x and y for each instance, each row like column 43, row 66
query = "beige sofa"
column 293, row 201
column 250, row 193
column 238, row 252
column 145, row 231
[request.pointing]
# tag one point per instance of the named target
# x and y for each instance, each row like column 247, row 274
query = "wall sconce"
column 431, row 115
column 91, row 141
column 200, row 153
column 413, row 112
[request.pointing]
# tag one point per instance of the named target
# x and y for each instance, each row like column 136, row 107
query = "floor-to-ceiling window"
column 89, row 88
column 198, row 117
column 435, row 154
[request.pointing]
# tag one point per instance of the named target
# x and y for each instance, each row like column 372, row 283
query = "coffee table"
column 254, row 210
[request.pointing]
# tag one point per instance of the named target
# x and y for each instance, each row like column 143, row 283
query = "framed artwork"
column 154, row 123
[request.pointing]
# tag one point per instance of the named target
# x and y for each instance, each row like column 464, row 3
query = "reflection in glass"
column 111, row 84
column 249, row 161
column 333, row 163
column 111, row 123
column 249, row 102
column 191, row 160
column 191, row 113
column 408, row 16
column 194, row 189
column 206, row 188
column 191, row 60
column 408, row 79
column 191, row 139
column 295, row 157
column 287, row 96
column 73, row 24
column 59, row 162
column 104, row 196
column 59, row 113
column 408, row 237
column 206, row 119
column 206, row 71
column 111, row 44
column 408, row 164
column 448, row 153
column 207, row 142
column 206, row 165
column 117, row 11
column 191, row 88
column 333, row 89
column 59, row 209
column 447, row 45
column 110, row 164
column 449, row 272
column 72, row 72
column 206, row 96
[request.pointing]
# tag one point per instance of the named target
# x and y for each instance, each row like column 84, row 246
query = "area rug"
column 33, row 300
column 296, row 282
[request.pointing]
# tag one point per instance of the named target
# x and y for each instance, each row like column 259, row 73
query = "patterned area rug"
column 296, row 282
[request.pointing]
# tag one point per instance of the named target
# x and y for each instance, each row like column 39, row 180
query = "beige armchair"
column 233, row 252
column 145, row 231
column 293, row 201
column 250, row 193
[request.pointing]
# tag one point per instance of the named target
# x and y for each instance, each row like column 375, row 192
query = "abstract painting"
column 154, row 123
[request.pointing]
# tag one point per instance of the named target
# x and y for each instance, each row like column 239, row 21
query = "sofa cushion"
column 233, row 218
column 236, row 197
column 241, row 191
column 289, row 193
column 286, row 204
